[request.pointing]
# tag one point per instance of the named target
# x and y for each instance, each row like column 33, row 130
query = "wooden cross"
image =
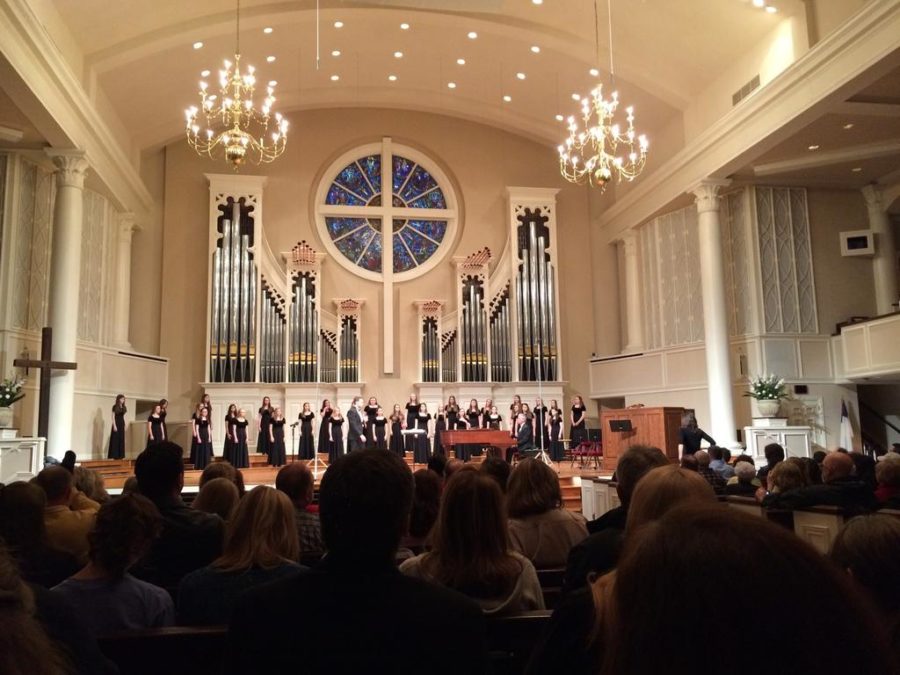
column 46, row 366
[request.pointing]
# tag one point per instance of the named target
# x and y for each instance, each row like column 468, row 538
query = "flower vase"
column 6, row 417
column 768, row 407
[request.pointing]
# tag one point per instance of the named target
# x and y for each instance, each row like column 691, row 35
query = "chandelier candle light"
column 589, row 154
column 235, row 128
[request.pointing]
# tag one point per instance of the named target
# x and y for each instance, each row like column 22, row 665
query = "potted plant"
column 768, row 390
column 10, row 392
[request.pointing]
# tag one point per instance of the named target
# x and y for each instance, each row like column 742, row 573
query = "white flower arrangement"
column 11, row 391
column 767, row 388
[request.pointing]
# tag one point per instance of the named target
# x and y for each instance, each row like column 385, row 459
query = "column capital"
column 127, row 224
column 706, row 193
column 71, row 167
column 629, row 242
column 874, row 197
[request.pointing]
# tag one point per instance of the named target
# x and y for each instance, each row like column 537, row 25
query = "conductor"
column 356, row 436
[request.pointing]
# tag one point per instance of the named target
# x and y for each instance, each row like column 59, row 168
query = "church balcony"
column 871, row 350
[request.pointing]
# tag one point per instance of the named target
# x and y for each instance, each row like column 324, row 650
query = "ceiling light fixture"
column 856, row 169
column 335, row 52
column 813, row 147
column 535, row 49
column 559, row 118
column 335, row 78
column 590, row 153
column 267, row 30
column 204, row 73
column 594, row 72
column 520, row 76
column 451, row 85
column 235, row 128
column 759, row 3
column 576, row 97
column 848, row 126
column 507, row 98
column 270, row 59
column 460, row 62
column 472, row 35
column 398, row 55
column 404, row 26
column 198, row 45
column 338, row 24
column 770, row 9
column 392, row 78
column 537, row 2
column 273, row 83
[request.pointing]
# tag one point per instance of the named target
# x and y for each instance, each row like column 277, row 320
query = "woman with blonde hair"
column 261, row 545
column 219, row 496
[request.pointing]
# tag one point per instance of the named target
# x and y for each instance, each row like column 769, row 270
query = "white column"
column 715, row 322
column 65, row 272
column 884, row 264
column 122, row 297
column 634, row 314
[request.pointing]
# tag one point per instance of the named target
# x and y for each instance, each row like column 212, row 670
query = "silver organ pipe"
column 472, row 330
column 501, row 370
column 430, row 350
column 349, row 350
column 328, row 369
column 448, row 356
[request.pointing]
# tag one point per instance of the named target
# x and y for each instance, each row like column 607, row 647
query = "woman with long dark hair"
column 412, row 410
column 155, row 431
column 398, row 423
column 325, row 427
column 379, row 424
column 578, row 422
column 277, row 454
column 117, row 433
column 239, row 435
column 202, row 448
column 371, row 411
column 306, row 417
column 263, row 421
column 336, row 442
column 163, row 413
column 423, row 440
column 228, row 448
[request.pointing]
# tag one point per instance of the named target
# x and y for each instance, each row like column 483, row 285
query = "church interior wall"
column 146, row 259
column 482, row 161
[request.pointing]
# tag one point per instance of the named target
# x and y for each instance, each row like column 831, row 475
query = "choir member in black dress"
column 472, row 421
column 440, row 426
column 194, row 417
column 423, row 440
column 555, row 428
column 277, row 454
column 306, row 418
column 203, row 452
column 452, row 412
column 325, row 427
column 370, row 410
column 155, row 432
column 164, row 410
column 398, row 424
column 379, row 424
column 541, row 433
column 514, row 409
column 240, row 454
column 335, row 428
column 117, row 433
column 204, row 401
column 577, row 420
column 228, row 448
column 412, row 410
column 262, row 423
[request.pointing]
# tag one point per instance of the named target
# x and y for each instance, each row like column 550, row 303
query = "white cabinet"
column 20, row 458
column 794, row 440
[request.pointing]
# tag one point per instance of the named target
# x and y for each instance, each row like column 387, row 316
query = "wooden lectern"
column 639, row 426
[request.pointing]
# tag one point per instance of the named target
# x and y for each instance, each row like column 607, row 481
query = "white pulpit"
column 794, row 439
column 20, row 458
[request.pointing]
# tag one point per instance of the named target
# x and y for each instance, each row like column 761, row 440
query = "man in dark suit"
column 525, row 437
column 355, row 612
column 356, row 436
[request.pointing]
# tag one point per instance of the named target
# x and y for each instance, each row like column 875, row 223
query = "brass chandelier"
column 234, row 128
column 597, row 148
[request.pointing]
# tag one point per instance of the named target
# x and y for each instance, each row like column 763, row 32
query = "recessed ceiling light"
column 451, row 85
column 335, row 52
column 770, row 9
column 460, row 62
column 392, row 78
column 270, row 59
column 404, row 26
column 267, row 30
column 507, row 98
column 198, row 45
column 759, row 3
column 576, row 97
column 849, row 125
column 535, row 49
column 856, row 169
column 338, row 24
column 204, row 73
column 537, row 2
column 559, row 118
column 398, row 55
column 813, row 147
column 335, row 78
column 594, row 72
column 472, row 35
column 521, row 76
column 273, row 83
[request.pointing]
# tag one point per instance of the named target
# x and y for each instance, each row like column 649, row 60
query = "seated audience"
column 812, row 474
column 819, row 457
column 540, row 528
column 107, row 598
column 69, row 514
column 710, row 476
column 451, row 467
column 425, row 508
column 868, row 549
column 90, row 482
column 497, row 469
column 24, row 532
column 671, row 580
column 68, row 461
column 719, row 463
column 864, row 469
column 887, row 473
column 782, row 478
column 296, row 481
column 261, row 545
column 689, row 463
column 437, row 463
column 470, row 552
column 744, row 483
column 774, row 454
column 190, row 539
column 130, row 486
column 839, row 488
column 218, row 496
column 355, row 611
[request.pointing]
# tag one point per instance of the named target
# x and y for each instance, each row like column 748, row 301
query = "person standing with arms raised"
column 356, row 436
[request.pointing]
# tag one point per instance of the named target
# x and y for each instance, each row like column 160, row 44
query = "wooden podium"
column 648, row 426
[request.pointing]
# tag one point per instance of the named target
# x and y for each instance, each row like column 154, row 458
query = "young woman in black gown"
column 379, row 424
column 240, row 452
column 325, row 427
column 155, row 433
column 541, row 436
column 514, row 409
column 203, row 452
column 262, row 424
column 117, row 433
column 204, row 401
column 277, row 454
column 306, row 418
column 228, row 447
column 472, row 421
column 440, row 426
column 423, row 440
column 371, row 410
column 398, row 423
column 493, row 420
column 194, row 417
column 335, row 428
column 163, row 411
column 577, row 419
column 555, row 427
column 412, row 410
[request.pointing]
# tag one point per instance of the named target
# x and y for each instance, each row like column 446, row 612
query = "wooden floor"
column 116, row 472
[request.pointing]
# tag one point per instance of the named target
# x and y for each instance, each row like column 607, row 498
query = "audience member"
column 744, row 483
column 215, row 470
column 812, row 474
column 774, row 454
column 451, row 467
column 887, row 473
column 670, row 582
column 69, row 514
column 68, row 461
column 190, row 539
column 719, row 463
column 438, row 463
column 539, row 527
column 107, row 598
column 218, row 496
column 839, row 488
column 819, row 457
column 130, row 487
column 24, row 532
column 471, row 554
column 297, row 482
column 356, row 609
column 783, row 477
column 864, row 469
column 425, row 508
column 498, row 469
column 689, row 463
column 690, row 435
column 710, row 476
column 261, row 545
column 90, row 482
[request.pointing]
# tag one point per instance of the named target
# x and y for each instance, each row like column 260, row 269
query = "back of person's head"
column 745, row 471
column 864, row 468
column 160, row 470
column 745, row 458
column 68, row 461
column 497, row 469
column 689, row 463
column 812, row 474
column 888, row 474
column 25, row 648
column 774, row 453
column 785, row 476
column 426, row 502
column 437, row 463
column 364, row 504
column 123, row 531
column 217, row 470
column 22, row 515
column 702, row 458
column 130, row 487
column 56, row 482
column 261, row 533
column 219, row 496
column 296, row 481
column 836, row 465
column 663, row 488
column 670, row 580
column 633, row 465
column 716, row 452
column 452, row 466
column 868, row 548
column 819, row 456
column 533, row 489
column 90, row 482
column 470, row 543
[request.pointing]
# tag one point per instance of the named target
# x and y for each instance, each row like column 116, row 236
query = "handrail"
column 879, row 416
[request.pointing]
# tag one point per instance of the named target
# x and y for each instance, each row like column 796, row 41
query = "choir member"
column 164, row 410
column 228, row 449
column 155, row 433
column 493, row 420
column 379, row 424
column 541, row 436
column 241, row 455
column 306, row 417
column 263, row 421
column 485, row 411
column 412, row 410
column 336, row 423
column 452, row 412
column 371, row 410
column 116, row 448
column 555, row 427
column 202, row 445
column 577, row 420
column 472, row 420
column 423, row 440
column 398, row 424
column 440, row 425
column 325, row 427
column 277, row 454
column 194, row 417
column 514, row 409
column 204, row 401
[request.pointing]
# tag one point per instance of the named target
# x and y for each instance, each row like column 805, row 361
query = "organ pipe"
column 535, row 301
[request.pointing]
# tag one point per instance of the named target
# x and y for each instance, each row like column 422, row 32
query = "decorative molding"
column 71, row 167
column 706, row 194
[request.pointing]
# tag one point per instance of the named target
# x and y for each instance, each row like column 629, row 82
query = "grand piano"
column 495, row 438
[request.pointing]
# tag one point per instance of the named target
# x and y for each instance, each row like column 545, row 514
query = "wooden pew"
column 511, row 640
column 818, row 525
column 551, row 581
column 782, row 517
